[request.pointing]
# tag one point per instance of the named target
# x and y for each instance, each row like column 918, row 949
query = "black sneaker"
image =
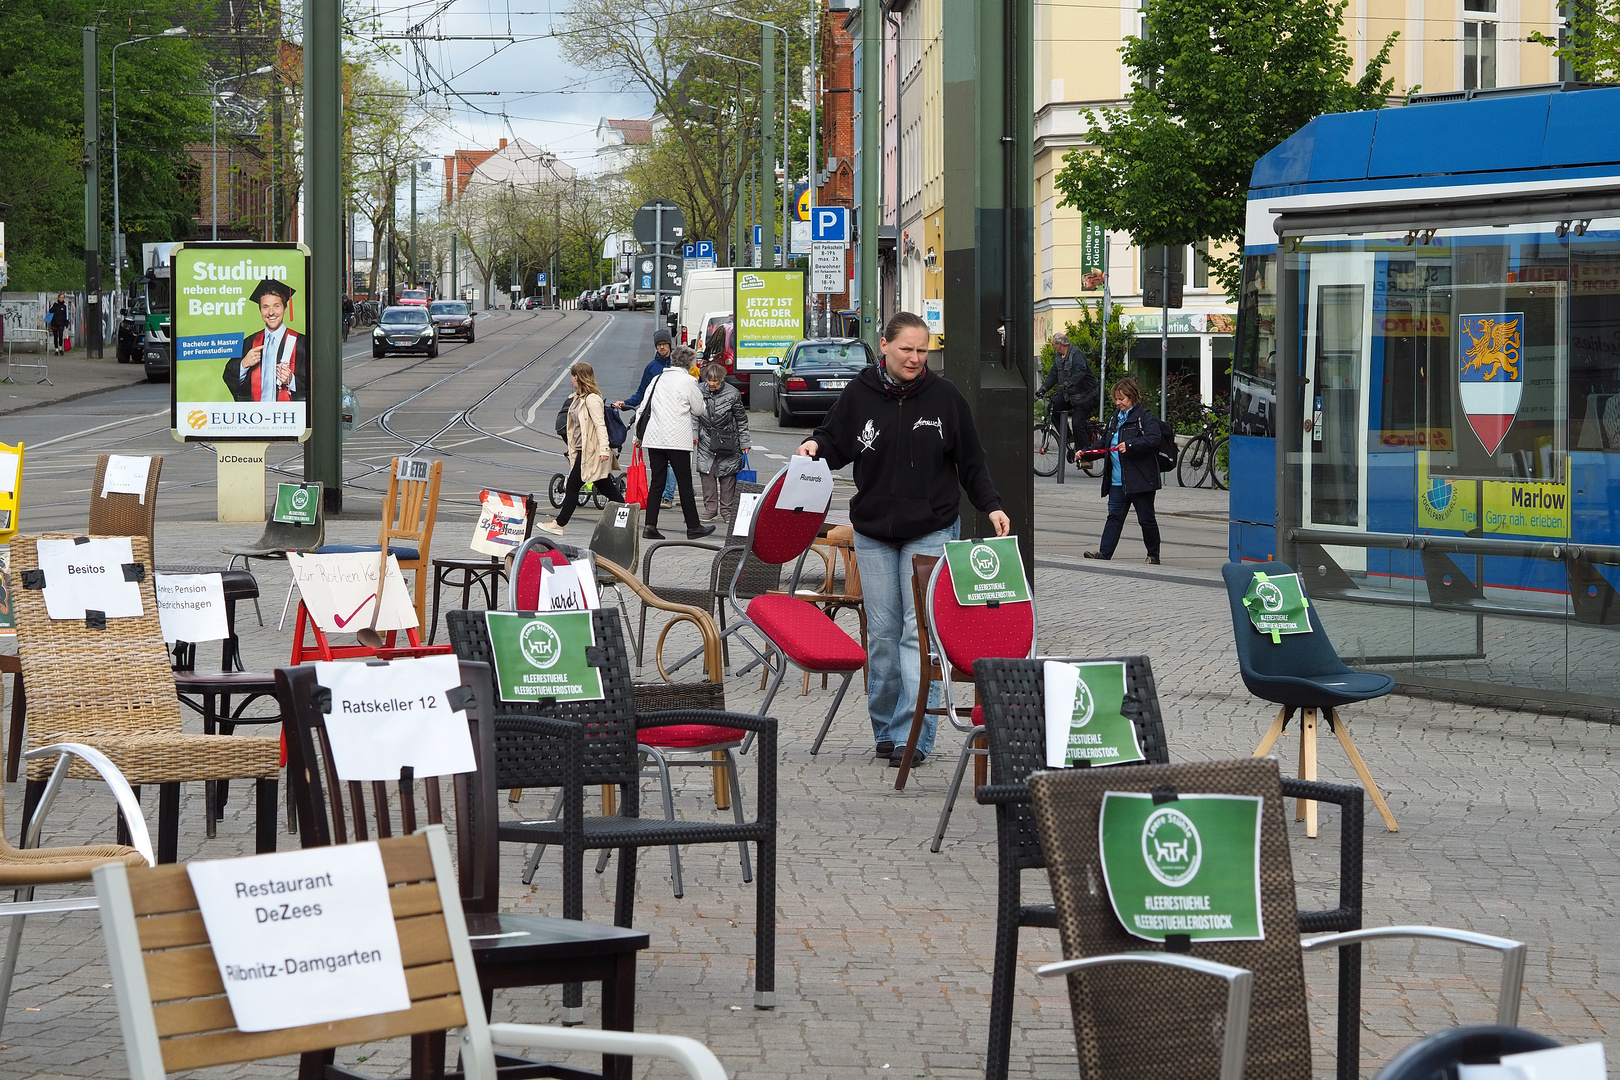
column 1096, row 555
column 698, row 533
column 1153, row 560
column 885, row 749
column 917, row 757
column 651, row 534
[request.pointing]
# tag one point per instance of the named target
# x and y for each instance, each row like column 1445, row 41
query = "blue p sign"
column 829, row 223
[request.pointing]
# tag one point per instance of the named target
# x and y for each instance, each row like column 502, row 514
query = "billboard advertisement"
column 769, row 307
column 241, row 367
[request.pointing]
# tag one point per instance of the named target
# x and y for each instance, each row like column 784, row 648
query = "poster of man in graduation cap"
column 243, row 365
column 274, row 365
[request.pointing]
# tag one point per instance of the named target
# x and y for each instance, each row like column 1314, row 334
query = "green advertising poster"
column 296, row 503
column 1277, row 605
column 241, row 358
column 983, row 571
column 543, row 656
column 1188, row 866
column 1093, row 257
column 769, row 312
column 1084, row 717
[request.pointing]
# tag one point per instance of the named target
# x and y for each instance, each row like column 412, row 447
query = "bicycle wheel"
column 1220, row 462
column 1047, row 448
column 555, row 492
column 1193, row 462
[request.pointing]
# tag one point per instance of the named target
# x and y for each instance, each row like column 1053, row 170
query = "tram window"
column 1594, row 340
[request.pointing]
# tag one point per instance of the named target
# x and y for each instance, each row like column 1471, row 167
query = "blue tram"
column 1426, row 388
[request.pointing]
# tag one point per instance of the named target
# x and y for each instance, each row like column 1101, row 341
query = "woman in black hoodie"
column 910, row 436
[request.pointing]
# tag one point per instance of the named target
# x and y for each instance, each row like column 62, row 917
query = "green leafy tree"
column 1591, row 44
column 1216, row 85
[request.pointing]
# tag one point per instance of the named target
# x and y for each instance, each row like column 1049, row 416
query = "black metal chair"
column 574, row 745
column 1435, row 1056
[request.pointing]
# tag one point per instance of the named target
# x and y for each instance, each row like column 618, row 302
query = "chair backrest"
column 1012, row 697
column 119, row 513
column 171, row 1000
column 617, row 536
column 11, row 463
column 780, row 536
column 325, row 817
column 523, row 760
column 922, row 572
column 536, row 553
column 118, row 680
column 284, row 536
column 1295, row 655
column 963, row 634
column 1140, row 1022
column 410, row 508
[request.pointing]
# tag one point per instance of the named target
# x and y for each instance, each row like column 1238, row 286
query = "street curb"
column 71, row 397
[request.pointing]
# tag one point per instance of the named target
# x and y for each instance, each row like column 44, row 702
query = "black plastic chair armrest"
column 1002, row 794
column 652, row 549
column 1350, row 800
column 547, row 726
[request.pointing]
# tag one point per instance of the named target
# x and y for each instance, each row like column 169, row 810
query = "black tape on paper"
column 1178, row 943
column 1162, row 795
column 95, row 620
column 321, row 698
column 461, row 698
column 81, row 539
column 134, row 571
column 33, row 579
column 376, row 663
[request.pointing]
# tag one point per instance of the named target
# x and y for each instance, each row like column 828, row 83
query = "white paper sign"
column 500, row 525
column 1583, row 1062
column 568, row 588
column 808, row 486
column 89, row 577
column 621, row 516
column 10, row 463
column 394, row 715
column 126, row 475
column 340, row 589
column 298, row 937
column 414, row 468
column 192, row 607
column 746, row 503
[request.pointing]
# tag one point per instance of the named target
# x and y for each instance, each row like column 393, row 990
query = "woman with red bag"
column 590, row 455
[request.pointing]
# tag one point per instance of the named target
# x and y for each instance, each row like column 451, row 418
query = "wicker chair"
column 134, row 719
column 578, row 744
column 510, row 949
column 757, row 579
column 122, row 514
column 1135, row 1018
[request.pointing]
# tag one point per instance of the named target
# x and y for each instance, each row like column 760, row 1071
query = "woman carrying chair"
column 914, row 446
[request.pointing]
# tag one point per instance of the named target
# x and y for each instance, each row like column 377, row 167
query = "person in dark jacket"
column 662, row 344
column 723, row 439
column 1071, row 383
column 911, row 438
column 58, row 321
column 1131, row 442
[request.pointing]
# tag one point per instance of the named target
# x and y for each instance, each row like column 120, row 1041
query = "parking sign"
column 829, row 223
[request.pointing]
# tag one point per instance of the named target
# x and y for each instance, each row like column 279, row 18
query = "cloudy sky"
column 521, row 87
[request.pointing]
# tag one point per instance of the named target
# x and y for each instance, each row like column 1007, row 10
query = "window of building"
column 1479, row 46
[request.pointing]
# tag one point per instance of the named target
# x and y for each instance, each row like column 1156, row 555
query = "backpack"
column 644, row 414
column 616, row 430
column 562, row 420
column 1167, row 449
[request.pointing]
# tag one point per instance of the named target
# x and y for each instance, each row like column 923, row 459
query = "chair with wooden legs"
column 409, row 511
column 1302, row 673
column 175, row 1016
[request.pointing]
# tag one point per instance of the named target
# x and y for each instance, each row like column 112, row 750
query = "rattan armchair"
column 114, row 690
column 119, row 513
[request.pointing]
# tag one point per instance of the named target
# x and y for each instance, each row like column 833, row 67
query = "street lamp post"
column 742, row 211
column 118, row 224
column 787, row 98
column 213, row 104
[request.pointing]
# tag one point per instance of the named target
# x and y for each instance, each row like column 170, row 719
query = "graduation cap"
column 271, row 286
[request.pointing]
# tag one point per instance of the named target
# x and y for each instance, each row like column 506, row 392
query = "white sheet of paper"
column 386, row 717
column 89, row 576
column 192, row 607
column 499, row 530
column 126, row 475
column 1582, row 1062
column 297, row 936
column 10, row 462
column 808, row 486
column 1061, row 682
column 1490, row 1072
column 339, row 590
column 414, row 468
column 621, row 516
column 746, row 503
column 565, row 588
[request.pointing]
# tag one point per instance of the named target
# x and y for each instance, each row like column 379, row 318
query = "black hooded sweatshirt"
column 911, row 449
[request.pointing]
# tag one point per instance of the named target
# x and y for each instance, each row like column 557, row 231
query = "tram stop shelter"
column 1426, row 388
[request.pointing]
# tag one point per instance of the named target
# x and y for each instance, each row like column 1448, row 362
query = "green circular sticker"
column 1084, row 704
column 985, row 562
column 1270, row 597
column 1171, row 846
column 300, row 498
column 540, row 644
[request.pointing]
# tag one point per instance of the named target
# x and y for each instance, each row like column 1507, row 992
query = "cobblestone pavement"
column 885, row 950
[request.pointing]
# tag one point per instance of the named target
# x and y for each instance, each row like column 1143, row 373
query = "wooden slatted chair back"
column 411, row 508
column 172, row 1002
column 119, row 513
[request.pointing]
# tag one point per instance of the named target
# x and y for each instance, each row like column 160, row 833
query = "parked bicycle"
column 1048, row 444
column 1206, row 455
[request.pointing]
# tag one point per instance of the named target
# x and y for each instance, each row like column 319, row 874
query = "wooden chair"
column 175, row 1016
column 113, row 689
column 509, row 949
column 121, row 514
column 409, row 511
column 1134, row 1018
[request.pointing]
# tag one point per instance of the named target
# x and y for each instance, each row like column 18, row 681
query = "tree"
column 384, row 132
column 1216, row 85
column 1591, row 42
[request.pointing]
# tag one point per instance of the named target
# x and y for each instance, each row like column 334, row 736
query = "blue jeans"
column 893, row 665
column 669, row 486
column 1119, row 504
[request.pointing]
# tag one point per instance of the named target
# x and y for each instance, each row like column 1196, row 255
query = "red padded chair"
column 795, row 630
column 960, row 635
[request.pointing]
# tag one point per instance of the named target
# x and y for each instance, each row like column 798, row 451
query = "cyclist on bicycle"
column 1071, row 382
column 348, row 316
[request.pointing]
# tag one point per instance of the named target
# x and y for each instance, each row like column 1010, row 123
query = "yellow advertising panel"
column 1526, row 508
column 11, row 459
column 1451, row 505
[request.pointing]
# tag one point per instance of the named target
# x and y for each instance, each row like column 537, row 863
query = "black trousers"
column 659, row 462
column 572, row 487
column 1118, row 504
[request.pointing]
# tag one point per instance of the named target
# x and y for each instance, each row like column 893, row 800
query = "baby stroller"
column 559, row 481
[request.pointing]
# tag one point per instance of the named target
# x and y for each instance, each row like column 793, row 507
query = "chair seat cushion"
column 398, row 551
column 1328, row 691
column 238, row 584
column 20, row 867
column 687, row 736
column 805, row 634
column 978, row 716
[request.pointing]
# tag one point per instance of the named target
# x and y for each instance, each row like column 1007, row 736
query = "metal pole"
column 455, row 269
column 415, row 270
column 871, row 152
column 1164, row 331
column 787, row 174
column 323, row 162
column 767, row 144
column 810, row 169
column 92, row 195
column 118, row 262
column 213, row 200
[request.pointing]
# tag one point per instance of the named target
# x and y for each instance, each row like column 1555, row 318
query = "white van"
column 702, row 291
column 617, row 297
